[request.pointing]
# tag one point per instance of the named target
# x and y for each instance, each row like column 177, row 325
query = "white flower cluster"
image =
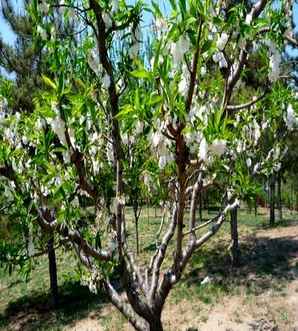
column 42, row 32
column 220, row 59
column 274, row 61
column 178, row 50
column 57, row 124
column 184, row 82
column 3, row 109
column 96, row 66
column 161, row 145
column 290, row 118
column 200, row 112
column 222, row 41
column 251, row 134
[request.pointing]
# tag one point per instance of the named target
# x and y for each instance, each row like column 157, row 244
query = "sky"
column 9, row 37
column 5, row 30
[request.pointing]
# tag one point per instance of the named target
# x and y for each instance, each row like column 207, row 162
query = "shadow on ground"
column 35, row 312
column 266, row 264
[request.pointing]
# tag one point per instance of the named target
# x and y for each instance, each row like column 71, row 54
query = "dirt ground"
column 265, row 295
column 271, row 310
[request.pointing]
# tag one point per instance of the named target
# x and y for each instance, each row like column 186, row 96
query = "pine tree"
column 24, row 60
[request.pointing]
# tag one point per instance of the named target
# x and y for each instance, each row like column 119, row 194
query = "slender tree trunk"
column 148, row 212
column 272, row 199
column 137, row 235
column 235, row 251
column 136, row 215
column 279, row 199
column 201, row 207
column 256, row 208
column 53, row 271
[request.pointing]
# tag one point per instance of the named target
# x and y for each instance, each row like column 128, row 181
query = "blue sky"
column 5, row 30
column 9, row 37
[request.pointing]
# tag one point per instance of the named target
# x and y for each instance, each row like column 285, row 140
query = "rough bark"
column 272, row 199
column 201, row 207
column 279, row 199
column 156, row 324
column 256, row 208
column 235, row 251
column 53, row 271
column 136, row 216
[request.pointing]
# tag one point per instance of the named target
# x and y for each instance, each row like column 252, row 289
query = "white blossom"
column 248, row 19
column 183, row 85
column 275, row 60
column 9, row 135
column 42, row 32
column 66, row 156
column 290, row 117
column 257, row 132
column 40, row 124
column 222, row 41
column 156, row 138
column 93, row 62
column 203, row 71
column 178, row 50
column 256, row 168
column 139, row 127
column 58, row 126
column 220, row 59
column 248, row 162
column 203, row 149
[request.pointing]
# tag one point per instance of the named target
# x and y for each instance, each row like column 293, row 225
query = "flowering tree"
column 68, row 163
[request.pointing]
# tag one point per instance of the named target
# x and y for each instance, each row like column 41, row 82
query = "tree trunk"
column 272, row 199
column 279, row 200
column 136, row 215
column 155, row 324
column 235, row 251
column 256, row 208
column 53, row 271
column 137, row 234
column 201, row 207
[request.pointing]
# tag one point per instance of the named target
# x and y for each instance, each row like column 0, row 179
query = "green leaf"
column 142, row 73
column 125, row 110
column 49, row 82
column 157, row 11
column 155, row 99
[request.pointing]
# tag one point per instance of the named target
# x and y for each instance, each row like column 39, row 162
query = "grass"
column 266, row 265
